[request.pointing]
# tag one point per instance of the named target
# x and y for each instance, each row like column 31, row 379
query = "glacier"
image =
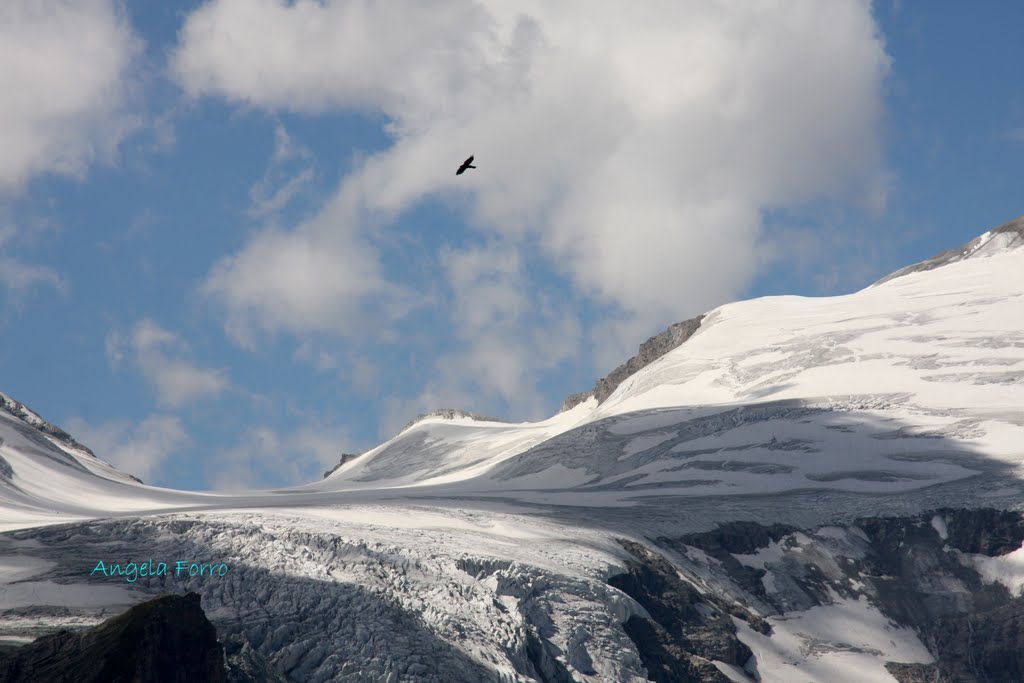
column 755, row 504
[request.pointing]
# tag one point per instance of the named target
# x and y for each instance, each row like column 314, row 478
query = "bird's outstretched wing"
column 465, row 165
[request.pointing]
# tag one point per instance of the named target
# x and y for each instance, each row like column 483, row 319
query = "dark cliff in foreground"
column 164, row 640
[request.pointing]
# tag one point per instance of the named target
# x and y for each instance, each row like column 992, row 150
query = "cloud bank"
column 634, row 149
column 63, row 86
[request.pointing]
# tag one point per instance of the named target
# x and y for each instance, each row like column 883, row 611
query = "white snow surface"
column 905, row 394
column 1007, row 569
column 848, row 641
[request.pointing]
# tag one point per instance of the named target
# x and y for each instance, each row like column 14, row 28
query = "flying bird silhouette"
column 468, row 163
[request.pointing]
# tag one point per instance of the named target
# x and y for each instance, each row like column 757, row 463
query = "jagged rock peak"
column 650, row 351
column 1009, row 235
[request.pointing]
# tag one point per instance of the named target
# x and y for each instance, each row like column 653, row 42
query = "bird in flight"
column 468, row 163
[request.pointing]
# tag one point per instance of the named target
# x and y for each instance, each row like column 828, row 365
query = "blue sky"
column 232, row 245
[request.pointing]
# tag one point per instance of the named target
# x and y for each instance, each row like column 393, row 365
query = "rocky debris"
column 1007, row 236
column 686, row 630
column 345, row 458
column 650, row 351
column 164, row 640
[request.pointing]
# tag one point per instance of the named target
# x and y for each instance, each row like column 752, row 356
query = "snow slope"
column 470, row 550
column 904, row 385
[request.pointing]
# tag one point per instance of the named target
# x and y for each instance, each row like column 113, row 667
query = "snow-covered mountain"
column 782, row 489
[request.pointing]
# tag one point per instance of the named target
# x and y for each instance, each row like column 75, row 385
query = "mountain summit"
column 786, row 488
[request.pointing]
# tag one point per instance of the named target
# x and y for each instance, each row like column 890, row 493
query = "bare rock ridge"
column 1007, row 236
column 164, row 640
column 650, row 351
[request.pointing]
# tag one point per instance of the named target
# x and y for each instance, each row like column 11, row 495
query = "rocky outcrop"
column 573, row 400
column 650, row 351
column 345, row 458
column 1007, row 236
column 165, row 640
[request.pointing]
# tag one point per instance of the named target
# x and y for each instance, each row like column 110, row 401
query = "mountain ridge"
column 1009, row 235
column 821, row 489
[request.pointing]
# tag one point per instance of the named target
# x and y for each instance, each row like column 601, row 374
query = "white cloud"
column 267, row 457
column 636, row 147
column 319, row 359
column 176, row 380
column 139, row 449
column 306, row 280
column 63, row 86
column 289, row 171
column 17, row 277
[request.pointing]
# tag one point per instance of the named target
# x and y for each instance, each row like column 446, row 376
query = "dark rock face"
column 977, row 636
column 987, row 646
column 741, row 538
column 916, row 570
column 686, row 629
column 165, row 640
